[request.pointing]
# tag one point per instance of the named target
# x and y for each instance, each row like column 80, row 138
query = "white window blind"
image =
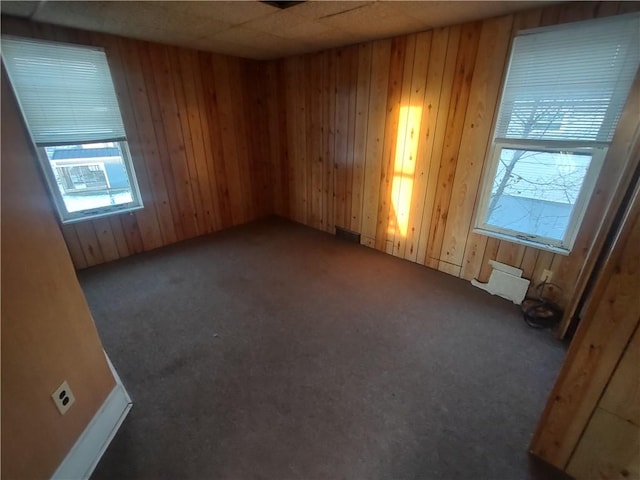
column 65, row 91
column 552, row 93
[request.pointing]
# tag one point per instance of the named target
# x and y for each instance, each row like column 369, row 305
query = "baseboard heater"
column 347, row 235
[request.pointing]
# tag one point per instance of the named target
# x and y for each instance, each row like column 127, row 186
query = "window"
column 561, row 101
column 69, row 103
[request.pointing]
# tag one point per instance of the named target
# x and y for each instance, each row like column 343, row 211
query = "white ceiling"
column 255, row 30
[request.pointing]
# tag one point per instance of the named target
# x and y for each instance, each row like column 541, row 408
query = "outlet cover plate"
column 63, row 398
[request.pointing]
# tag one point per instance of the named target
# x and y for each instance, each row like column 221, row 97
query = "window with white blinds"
column 69, row 104
column 569, row 83
column 563, row 95
column 65, row 91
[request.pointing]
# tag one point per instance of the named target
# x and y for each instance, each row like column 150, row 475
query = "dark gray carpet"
column 273, row 351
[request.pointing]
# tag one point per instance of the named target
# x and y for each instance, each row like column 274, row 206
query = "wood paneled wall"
column 48, row 334
column 610, row 445
column 388, row 139
column 591, row 423
column 195, row 129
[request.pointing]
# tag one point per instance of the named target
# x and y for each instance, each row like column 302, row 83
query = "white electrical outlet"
column 63, row 398
column 546, row 276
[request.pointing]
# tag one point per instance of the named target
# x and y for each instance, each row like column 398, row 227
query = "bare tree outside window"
column 561, row 101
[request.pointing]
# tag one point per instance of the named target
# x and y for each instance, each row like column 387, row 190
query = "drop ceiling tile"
column 306, row 29
column 287, row 25
column 326, row 8
column 249, row 37
column 332, row 37
column 154, row 21
column 232, row 12
column 375, row 21
column 174, row 20
column 277, row 20
column 442, row 13
column 18, row 9
column 226, row 48
column 91, row 15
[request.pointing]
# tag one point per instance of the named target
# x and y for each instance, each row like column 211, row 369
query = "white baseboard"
column 92, row 443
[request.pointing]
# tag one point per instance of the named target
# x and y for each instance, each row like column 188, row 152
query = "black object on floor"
column 273, row 351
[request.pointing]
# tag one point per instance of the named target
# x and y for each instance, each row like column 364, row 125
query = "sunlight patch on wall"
column 404, row 169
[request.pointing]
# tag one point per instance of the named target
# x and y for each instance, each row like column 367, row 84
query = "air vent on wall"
column 281, row 4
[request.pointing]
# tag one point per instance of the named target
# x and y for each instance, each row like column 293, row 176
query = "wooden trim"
column 611, row 316
column 622, row 160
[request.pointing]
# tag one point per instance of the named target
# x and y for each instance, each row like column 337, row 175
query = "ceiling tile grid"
column 253, row 29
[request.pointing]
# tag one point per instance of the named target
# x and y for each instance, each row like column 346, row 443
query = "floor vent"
column 347, row 235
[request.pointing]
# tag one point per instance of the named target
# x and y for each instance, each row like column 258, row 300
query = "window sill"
column 521, row 241
column 101, row 214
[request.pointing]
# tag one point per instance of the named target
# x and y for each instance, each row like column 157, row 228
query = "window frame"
column 65, row 216
column 563, row 246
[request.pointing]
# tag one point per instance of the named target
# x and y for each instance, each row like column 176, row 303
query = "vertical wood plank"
column 275, row 118
column 483, row 97
column 184, row 138
column 217, row 170
column 207, row 173
column 362, row 116
column 397, row 216
column 74, row 247
column 144, row 125
column 528, row 263
column 341, row 154
column 287, row 78
column 223, row 81
column 375, row 138
column 329, row 126
column 118, row 236
column 352, row 55
column 89, row 243
column 412, row 166
column 542, row 263
column 465, row 62
column 510, row 253
column 490, row 252
column 170, row 124
column 146, row 218
column 438, row 96
column 132, row 233
column 315, row 153
column 162, row 152
column 191, row 122
column 394, row 90
column 106, row 239
column 242, row 136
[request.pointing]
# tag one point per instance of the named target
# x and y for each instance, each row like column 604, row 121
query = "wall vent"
column 347, row 235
